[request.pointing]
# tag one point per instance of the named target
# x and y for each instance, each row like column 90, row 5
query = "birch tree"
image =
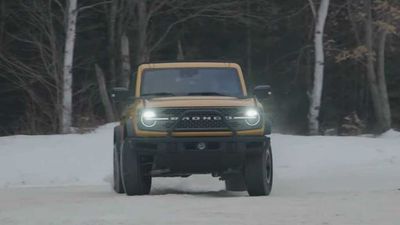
column 66, row 120
column 316, row 93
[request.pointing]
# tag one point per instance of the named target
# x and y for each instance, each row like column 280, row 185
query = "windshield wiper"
column 208, row 94
column 159, row 94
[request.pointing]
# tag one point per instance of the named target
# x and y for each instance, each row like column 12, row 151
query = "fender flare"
column 129, row 130
column 118, row 133
column 267, row 125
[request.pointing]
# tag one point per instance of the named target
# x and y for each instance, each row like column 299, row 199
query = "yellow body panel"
column 199, row 101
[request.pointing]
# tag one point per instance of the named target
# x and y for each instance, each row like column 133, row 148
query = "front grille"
column 202, row 124
column 176, row 120
column 200, row 114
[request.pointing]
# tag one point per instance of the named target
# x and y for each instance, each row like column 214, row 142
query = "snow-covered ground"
column 65, row 179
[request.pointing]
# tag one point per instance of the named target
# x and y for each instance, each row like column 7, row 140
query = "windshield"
column 191, row 81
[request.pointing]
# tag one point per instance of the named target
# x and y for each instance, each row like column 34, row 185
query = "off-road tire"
column 235, row 182
column 258, row 173
column 117, row 182
column 134, row 179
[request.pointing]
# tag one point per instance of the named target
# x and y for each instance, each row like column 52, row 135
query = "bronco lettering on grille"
column 202, row 118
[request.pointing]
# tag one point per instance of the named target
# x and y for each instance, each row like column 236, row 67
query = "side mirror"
column 119, row 94
column 262, row 91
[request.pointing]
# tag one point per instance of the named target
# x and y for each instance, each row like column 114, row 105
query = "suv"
column 187, row 118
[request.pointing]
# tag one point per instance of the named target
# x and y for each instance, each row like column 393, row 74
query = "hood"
column 199, row 101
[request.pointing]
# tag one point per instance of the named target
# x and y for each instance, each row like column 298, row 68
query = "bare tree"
column 316, row 94
column 118, row 13
column 104, row 94
column 148, row 40
column 144, row 17
column 66, row 121
column 376, row 58
column 38, row 74
column 140, row 20
column 126, row 62
column 378, row 20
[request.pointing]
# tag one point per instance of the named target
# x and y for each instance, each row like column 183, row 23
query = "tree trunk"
column 2, row 21
column 103, row 94
column 316, row 95
column 180, row 55
column 126, row 62
column 387, row 116
column 66, row 121
column 378, row 101
column 143, row 51
column 249, row 72
column 111, row 40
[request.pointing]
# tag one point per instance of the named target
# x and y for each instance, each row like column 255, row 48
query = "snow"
column 65, row 179
column 74, row 159
column 391, row 134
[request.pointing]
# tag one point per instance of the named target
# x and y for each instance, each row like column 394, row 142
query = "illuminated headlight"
column 148, row 118
column 252, row 117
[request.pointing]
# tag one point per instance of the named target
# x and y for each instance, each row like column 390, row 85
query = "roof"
column 187, row 64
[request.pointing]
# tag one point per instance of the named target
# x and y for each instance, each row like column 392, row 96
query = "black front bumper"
column 182, row 155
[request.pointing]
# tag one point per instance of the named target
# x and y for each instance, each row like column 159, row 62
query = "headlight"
column 148, row 118
column 252, row 117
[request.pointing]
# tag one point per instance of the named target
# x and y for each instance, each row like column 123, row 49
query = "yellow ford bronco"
column 187, row 118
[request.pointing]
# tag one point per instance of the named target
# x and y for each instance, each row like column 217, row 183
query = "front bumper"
column 182, row 155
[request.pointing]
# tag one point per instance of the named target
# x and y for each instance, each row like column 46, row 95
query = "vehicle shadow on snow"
column 174, row 191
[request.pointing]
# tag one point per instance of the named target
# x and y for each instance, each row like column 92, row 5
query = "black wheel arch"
column 117, row 133
column 129, row 129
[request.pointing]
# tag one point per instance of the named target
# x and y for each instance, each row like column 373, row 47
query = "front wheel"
column 259, row 173
column 117, row 185
column 134, row 179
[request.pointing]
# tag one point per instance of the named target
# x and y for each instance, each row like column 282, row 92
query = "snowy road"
column 64, row 179
column 98, row 205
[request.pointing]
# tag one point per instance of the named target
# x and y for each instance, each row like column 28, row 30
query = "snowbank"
column 323, row 164
column 390, row 134
column 73, row 159
column 302, row 164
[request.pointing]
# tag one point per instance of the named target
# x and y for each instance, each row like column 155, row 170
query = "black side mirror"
column 262, row 91
column 119, row 94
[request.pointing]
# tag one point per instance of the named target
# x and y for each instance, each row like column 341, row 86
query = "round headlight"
column 148, row 118
column 252, row 117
